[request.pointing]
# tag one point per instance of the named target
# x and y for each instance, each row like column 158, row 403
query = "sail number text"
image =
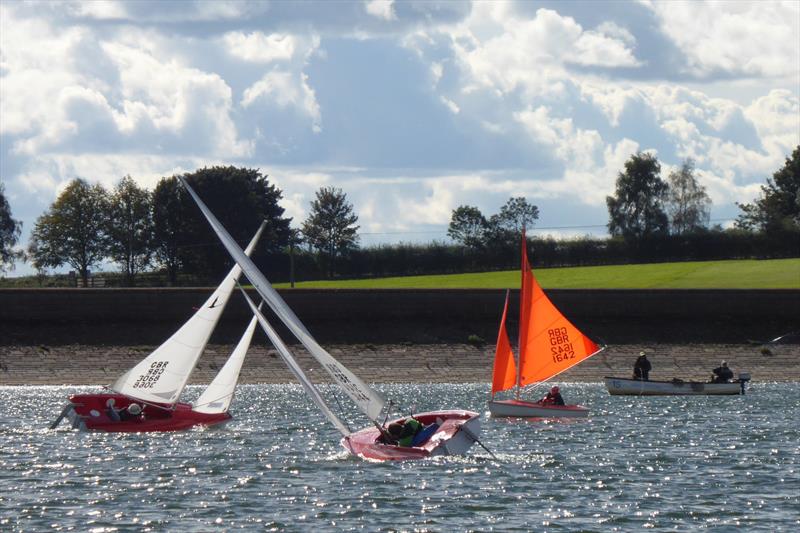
column 560, row 346
column 352, row 389
column 151, row 377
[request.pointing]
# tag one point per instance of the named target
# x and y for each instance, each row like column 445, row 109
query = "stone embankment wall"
column 90, row 336
column 393, row 363
column 147, row 316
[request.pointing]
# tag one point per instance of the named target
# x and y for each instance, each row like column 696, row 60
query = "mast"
column 522, row 324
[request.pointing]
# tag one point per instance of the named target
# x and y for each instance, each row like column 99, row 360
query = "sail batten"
column 368, row 401
column 161, row 376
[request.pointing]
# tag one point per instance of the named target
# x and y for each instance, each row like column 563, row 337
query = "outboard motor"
column 744, row 377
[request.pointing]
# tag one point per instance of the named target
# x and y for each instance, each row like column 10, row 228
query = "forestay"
column 367, row 400
column 218, row 395
column 161, row 376
column 290, row 361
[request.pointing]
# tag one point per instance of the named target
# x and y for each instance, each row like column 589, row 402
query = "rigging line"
column 341, row 410
column 145, row 402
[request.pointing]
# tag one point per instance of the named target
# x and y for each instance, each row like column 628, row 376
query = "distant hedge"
column 441, row 258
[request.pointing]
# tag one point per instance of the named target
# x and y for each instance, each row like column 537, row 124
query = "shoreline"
column 81, row 365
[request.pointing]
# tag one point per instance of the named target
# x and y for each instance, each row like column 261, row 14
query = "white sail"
column 162, row 375
column 218, row 395
column 369, row 401
column 290, row 361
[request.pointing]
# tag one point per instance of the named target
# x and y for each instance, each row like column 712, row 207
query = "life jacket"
column 411, row 427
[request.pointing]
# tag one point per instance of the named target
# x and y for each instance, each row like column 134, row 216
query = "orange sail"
column 549, row 343
column 504, row 375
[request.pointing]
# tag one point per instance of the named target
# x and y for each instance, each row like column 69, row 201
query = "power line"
column 441, row 231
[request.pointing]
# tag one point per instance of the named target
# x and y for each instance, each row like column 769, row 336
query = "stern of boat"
column 467, row 434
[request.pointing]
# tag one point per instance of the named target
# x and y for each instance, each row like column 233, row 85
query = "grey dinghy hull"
column 636, row 387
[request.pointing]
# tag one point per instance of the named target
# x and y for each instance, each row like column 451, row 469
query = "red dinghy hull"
column 89, row 412
column 456, row 433
column 523, row 409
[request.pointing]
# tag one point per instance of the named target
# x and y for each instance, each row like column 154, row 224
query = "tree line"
column 162, row 232
column 140, row 230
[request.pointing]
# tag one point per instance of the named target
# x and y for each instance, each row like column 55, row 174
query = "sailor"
column 132, row 412
column 411, row 426
column 641, row 368
column 392, row 433
column 111, row 411
column 553, row 397
column 722, row 374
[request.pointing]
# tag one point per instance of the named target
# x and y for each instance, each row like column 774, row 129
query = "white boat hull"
column 635, row 387
column 523, row 409
column 462, row 441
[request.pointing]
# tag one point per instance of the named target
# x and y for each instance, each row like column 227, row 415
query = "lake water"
column 671, row 463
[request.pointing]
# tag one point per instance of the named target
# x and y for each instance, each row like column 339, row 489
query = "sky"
column 412, row 108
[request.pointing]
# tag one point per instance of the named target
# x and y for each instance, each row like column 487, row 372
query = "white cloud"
column 500, row 49
column 451, row 105
column 98, row 9
column 741, row 38
column 776, row 116
column 382, row 9
column 260, row 48
column 612, row 29
column 67, row 89
column 286, row 89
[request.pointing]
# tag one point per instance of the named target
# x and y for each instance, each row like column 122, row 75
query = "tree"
column 778, row 207
column 504, row 228
column 467, row 226
column 73, row 230
column 169, row 232
column 687, row 203
column 241, row 198
column 10, row 230
column 516, row 214
column 636, row 210
column 130, row 227
column 330, row 226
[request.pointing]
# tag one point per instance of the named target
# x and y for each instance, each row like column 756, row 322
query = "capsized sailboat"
column 146, row 397
column 447, row 431
column 549, row 344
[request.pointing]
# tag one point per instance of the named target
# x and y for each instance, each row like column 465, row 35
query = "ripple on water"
column 656, row 463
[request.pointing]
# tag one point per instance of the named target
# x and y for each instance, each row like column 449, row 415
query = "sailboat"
column 549, row 344
column 146, row 397
column 447, row 432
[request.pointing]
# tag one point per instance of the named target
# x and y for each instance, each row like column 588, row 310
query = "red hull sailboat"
column 549, row 344
column 147, row 397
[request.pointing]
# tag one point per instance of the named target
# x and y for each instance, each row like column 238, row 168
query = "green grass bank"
column 735, row 274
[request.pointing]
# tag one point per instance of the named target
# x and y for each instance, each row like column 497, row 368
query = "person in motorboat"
column 553, row 397
column 641, row 368
column 722, row 374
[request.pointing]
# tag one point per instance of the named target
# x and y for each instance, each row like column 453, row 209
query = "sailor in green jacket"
column 411, row 427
